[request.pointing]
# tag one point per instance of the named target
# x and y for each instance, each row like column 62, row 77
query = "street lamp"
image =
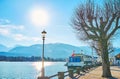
column 43, row 38
column 42, row 69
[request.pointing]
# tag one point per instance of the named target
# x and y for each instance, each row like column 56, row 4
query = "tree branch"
column 96, row 22
column 96, row 49
column 114, row 30
column 109, row 25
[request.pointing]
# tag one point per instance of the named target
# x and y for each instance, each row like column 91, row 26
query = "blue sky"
column 17, row 29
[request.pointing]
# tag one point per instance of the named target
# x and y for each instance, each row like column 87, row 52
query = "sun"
column 39, row 16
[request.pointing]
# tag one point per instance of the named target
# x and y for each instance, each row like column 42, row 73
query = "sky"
column 17, row 27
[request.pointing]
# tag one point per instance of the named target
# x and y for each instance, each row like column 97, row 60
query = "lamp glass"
column 44, row 33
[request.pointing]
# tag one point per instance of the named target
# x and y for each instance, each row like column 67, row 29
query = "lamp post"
column 42, row 69
column 92, row 56
column 43, row 38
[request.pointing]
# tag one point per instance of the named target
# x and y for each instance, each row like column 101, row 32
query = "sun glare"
column 38, row 65
column 39, row 16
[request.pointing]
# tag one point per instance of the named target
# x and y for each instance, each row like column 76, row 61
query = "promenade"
column 96, row 73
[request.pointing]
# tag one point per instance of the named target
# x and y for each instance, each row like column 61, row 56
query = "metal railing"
column 71, row 72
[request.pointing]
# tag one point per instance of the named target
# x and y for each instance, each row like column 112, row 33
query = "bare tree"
column 98, row 24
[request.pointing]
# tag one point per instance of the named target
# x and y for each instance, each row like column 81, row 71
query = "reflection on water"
column 28, row 70
column 38, row 66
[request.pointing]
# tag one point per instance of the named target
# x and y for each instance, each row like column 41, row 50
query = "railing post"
column 82, row 69
column 86, row 67
column 60, row 75
column 71, row 73
column 78, row 70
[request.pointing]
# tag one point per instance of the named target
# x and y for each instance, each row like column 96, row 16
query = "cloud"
column 12, row 27
column 4, row 32
column 6, row 24
column 14, row 31
column 4, row 21
column 7, row 28
column 19, row 37
column 36, row 39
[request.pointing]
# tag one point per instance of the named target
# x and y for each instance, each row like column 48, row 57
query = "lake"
column 28, row 70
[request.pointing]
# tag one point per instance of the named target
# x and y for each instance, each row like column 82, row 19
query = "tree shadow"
column 112, row 78
column 115, row 70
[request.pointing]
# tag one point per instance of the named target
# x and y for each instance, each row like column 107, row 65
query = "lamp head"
column 44, row 33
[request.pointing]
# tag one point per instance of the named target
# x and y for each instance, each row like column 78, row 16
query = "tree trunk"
column 106, row 66
column 105, row 60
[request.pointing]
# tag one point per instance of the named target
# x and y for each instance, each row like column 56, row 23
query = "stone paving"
column 96, row 73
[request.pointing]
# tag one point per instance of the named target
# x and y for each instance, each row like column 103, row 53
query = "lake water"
column 28, row 70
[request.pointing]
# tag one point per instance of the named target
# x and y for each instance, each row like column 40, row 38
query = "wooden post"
column 82, row 69
column 78, row 70
column 60, row 75
column 71, row 73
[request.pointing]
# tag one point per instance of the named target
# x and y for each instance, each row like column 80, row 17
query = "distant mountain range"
column 3, row 48
column 54, row 50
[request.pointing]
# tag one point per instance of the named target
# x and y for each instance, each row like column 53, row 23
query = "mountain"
column 3, row 48
column 6, row 54
column 33, row 50
column 54, row 50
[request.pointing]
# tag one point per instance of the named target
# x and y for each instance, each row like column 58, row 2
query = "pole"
column 92, row 56
column 43, row 71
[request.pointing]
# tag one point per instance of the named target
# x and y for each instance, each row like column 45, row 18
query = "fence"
column 71, row 72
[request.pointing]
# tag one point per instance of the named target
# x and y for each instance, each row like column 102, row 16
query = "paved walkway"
column 96, row 73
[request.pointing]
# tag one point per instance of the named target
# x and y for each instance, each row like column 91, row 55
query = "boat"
column 78, row 60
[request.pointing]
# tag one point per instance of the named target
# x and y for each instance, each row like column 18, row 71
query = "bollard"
column 78, row 70
column 71, row 73
column 60, row 75
column 43, row 78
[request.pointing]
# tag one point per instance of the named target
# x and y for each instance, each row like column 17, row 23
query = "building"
column 117, row 59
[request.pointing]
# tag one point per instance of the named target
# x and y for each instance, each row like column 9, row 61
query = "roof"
column 118, row 55
column 81, row 54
